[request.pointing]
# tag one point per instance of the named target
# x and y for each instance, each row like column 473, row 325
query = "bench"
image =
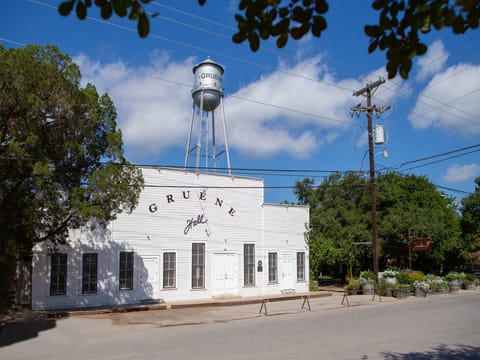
column 375, row 292
column 265, row 301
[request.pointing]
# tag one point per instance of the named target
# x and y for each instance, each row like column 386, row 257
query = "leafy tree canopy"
column 61, row 153
column 470, row 222
column 400, row 26
column 340, row 220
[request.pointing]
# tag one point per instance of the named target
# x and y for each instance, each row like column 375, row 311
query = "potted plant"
column 421, row 288
column 352, row 287
column 469, row 281
column 367, row 279
column 453, row 279
column 437, row 284
column 385, row 288
column 401, row 291
column 390, row 276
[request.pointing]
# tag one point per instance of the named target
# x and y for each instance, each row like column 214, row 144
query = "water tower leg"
column 225, row 135
column 199, row 134
column 187, row 152
column 214, row 149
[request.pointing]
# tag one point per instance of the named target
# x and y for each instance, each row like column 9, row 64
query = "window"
column 58, row 274
column 248, row 264
column 125, row 272
column 169, row 270
column 300, row 266
column 89, row 274
column 272, row 267
column 198, row 266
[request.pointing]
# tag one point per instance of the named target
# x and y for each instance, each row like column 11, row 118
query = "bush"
column 404, row 278
column 367, row 277
column 353, row 284
column 469, row 279
column 452, row 276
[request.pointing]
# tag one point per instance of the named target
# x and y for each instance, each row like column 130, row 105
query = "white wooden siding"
column 159, row 225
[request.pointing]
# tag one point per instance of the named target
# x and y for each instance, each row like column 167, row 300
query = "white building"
column 192, row 236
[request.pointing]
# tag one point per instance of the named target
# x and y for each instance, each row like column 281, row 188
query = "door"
column 148, row 270
column 225, row 274
column 287, row 281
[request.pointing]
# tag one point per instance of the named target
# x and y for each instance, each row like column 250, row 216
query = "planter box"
column 368, row 289
column 454, row 285
column 470, row 286
column 401, row 293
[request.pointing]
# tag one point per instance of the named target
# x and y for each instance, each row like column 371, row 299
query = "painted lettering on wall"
column 191, row 223
column 170, row 198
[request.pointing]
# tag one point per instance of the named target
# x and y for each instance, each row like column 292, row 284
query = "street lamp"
column 384, row 153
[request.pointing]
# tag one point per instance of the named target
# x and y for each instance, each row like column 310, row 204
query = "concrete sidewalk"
column 225, row 310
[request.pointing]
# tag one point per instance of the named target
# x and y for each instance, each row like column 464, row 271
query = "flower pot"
column 454, row 285
column 419, row 292
column 401, row 293
column 469, row 286
column 368, row 289
column 391, row 280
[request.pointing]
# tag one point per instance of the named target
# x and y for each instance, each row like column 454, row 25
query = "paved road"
column 436, row 327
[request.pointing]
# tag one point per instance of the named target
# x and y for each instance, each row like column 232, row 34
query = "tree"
column 61, row 154
column 338, row 221
column 400, row 24
column 412, row 202
column 470, row 223
column 341, row 223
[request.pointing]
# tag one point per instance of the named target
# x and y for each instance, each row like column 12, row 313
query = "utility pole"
column 368, row 91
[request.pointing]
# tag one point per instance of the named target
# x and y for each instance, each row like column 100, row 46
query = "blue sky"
column 284, row 108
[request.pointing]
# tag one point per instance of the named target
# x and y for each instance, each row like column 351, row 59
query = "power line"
column 266, row 67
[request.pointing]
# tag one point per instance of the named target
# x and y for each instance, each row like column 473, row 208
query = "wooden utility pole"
column 368, row 91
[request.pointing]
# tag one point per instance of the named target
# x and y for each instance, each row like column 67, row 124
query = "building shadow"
column 441, row 352
column 24, row 330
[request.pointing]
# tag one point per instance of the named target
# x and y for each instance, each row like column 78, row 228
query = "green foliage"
column 121, row 8
column 385, row 288
column 340, row 221
column 452, row 276
column 412, row 202
column 416, row 276
column 61, row 153
column 403, row 277
column 367, row 277
column 398, row 31
column 353, row 284
column 469, row 278
column 470, row 223
column 336, row 222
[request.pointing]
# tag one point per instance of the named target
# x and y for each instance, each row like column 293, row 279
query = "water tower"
column 207, row 94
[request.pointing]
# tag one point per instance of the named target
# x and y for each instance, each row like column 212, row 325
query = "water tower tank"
column 208, row 84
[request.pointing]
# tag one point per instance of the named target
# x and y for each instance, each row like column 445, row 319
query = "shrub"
column 469, row 279
column 367, row 277
column 353, row 284
column 451, row 276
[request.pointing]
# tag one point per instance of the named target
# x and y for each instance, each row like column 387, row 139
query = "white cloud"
column 459, row 173
column 152, row 105
column 433, row 61
column 293, row 110
column 451, row 100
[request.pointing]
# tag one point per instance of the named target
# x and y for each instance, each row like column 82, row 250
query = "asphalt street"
column 434, row 327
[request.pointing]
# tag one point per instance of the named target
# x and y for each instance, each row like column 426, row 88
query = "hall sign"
column 196, row 220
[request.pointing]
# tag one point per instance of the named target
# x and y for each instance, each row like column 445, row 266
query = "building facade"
column 192, row 236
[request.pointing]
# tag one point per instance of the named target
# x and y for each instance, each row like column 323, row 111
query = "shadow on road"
column 442, row 352
column 16, row 332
